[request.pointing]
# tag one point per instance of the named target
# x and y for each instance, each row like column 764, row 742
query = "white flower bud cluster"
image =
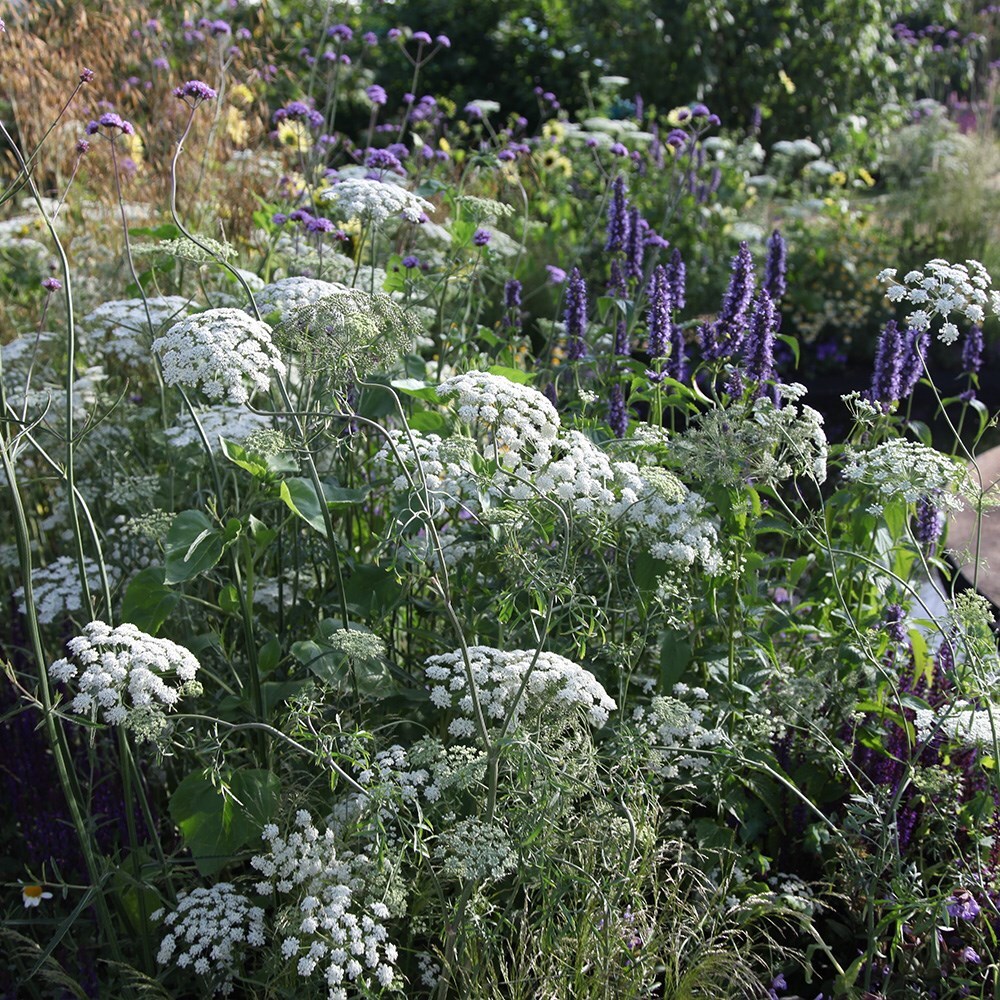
column 673, row 727
column 554, row 684
column 523, row 423
column 222, row 420
column 330, row 931
column 374, row 202
column 580, row 476
column 445, row 463
column 56, row 588
column 475, row 850
column 287, row 294
column 209, row 930
column 124, row 670
column 966, row 724
column 125, row 329
column 220, row 350
column 908, row 470
column 944, row 290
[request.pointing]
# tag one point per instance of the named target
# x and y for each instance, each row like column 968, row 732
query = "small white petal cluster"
column 948, row 291
column 475, row 850
column 963, row 723
column 374, row 201
column 230, row 422
column 580, row 476
column 670, row 519
column 287, row 294
column 329, row 931
column 125, row 328
column 673, row 728
column 56, row 588
column 908, row 470
column 209, row 930
column 522, row 422
column 220, row 350
column 124, row 669
column 554, row 684
column 444, row 464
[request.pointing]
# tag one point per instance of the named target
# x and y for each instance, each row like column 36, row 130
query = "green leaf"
column 512, row 374
column 148, row 601
column 675, row 655
column 215, row 825
column 416, row 388
column 193, row 546
column 300, row 498
column 428, row 422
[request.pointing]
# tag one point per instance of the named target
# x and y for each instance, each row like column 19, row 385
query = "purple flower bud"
column 86, row 75
column 556, row 274
column 575, row 316
column 51, row 284
column 393, row 34
column 370, row 38
column 244, row 34
column 972, row 351
column 443, row 40
column 195, row 89
column 421, row 37
column 678, row 280
column 279, row 218
column 617, row 149
column 376, row 94
column 776, row 266
column 481, row 237
column 894, row 618
column 340, row 31
column 617, row 413
column 410, row 262
column 82, row 146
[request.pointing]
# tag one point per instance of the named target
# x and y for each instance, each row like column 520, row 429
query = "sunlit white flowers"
column 56, row 588
column 118, row 672
column 208, row 931
column 947, row 291
column 549, row 681
column 374, row 202
column 220, row 350
column 32, row 896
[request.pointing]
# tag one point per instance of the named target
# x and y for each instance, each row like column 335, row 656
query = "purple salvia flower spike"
column 678, row 280
column 972, row 351
column 658, row 315
column 889, row 357
column 617, row 414
column 636, row 247
column 576, row 316
column 912, row 367
column 758, row 346
column 776, row 266
column 618, row 216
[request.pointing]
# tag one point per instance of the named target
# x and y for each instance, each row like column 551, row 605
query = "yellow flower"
column 32, row 895
column 134, row 149
column 786, row 82
column 838, row 178
column 866, row 177
column 678, row 116
column 554, row 130
column 241, row 95
column 295, row 135
column 444, row 145
column 236, row 127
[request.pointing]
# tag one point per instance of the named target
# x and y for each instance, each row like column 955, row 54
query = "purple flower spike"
column 678, row 280
column 889, row 357
column 724, row 337
column 776, row 266
column 930, row 522
column 576, row 316
column 618, row 220
column 658, row 316
column 914, row 356
column 895, row 622
column 972, row 351
column 617, row 413
column 635, row 250
column 512, row 304
column 758, row 347
column 195, row 89
column 962, row 905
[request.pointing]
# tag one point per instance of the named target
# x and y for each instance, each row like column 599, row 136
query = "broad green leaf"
column 148, row 600
column 300, row 498
column 193, row 546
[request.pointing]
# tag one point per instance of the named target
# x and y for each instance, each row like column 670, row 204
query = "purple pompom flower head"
column 340, row 31
column 512, row 304
column 576, row 316
column 51, row 284
column 110, row 120
column 82, row 146
column 86, row 75
column 195, row 89
column 481, row 237
column 556, row 274
column 376, row 94
column 421, row 37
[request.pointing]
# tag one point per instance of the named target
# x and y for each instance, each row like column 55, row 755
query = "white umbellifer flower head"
column 524, row 424
column 56, row 588
column 374, row 202
column 332, row 931
column 908, row 470
column 219, row 350
column 124, row 327
column 211, row 926
column 230, row 422
column 581, row 476
column 287, row 294
column 125, row 674
column 554, row 684
column 947, row 291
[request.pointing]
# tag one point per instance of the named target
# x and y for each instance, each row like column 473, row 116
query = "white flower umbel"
column 965, row 724
column 290, row 293
column 678, row 732
column 220, row 350
column 908, row 470
column 554, row 684
column 444, row 466
column 230, row 422
column 580, row 476
column 947, row 291
column 373, row 202
column 122, row 329
column 208, row 931
column 124, row 674
column 56, row 588
column 523, row 423
column 331, row 934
